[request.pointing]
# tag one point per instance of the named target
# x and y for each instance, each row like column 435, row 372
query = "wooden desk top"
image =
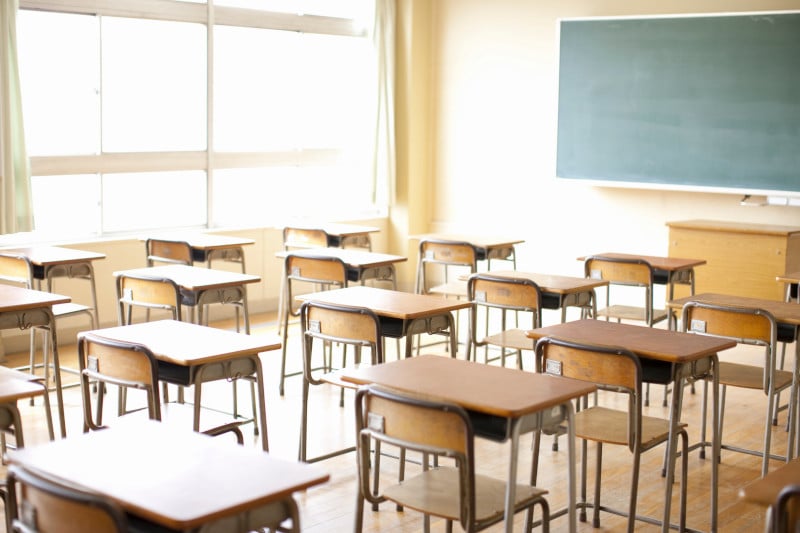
column 335, row 229
column 19, row 299
column 489, row 389
column 485, row 242
column 353, row 258
column 553, row 283
column 737, row 227
column 54, row 255
column 789, row 277
column 668, row 264
column 388, row 303
column 765, row 491
column 172, row 476
column 784, row 312
column 651, row 343
column 186, row 344
column 194, row 278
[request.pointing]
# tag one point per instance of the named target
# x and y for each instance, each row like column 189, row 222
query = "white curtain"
column 16, row 212
column 384, row 153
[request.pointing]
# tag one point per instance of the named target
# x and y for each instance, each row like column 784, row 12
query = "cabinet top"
column 737, row 227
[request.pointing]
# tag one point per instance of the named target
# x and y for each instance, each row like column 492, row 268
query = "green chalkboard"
column 682, row 102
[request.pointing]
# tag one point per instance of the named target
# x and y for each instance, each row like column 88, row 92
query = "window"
column 133, row 120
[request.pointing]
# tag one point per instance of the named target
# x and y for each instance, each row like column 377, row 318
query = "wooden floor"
column 330, row 507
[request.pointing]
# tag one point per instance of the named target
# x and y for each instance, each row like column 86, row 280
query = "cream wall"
column 490, row 118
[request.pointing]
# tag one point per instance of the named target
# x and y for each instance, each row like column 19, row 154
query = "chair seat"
column 750, row 376
column 67, row 309
column 436, row 492
column 631, row 312
column 455, row 288
column 335, row 377
column 602, row 424
column 515, row 339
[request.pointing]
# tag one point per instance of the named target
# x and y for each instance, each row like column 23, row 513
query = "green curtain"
column 16, row 210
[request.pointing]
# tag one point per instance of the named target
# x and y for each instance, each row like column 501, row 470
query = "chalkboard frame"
column 581, row 101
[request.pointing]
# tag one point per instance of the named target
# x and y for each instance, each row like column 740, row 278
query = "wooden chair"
column 17, row 270
column 355, row 327
column 166, row 251
column 133, row 366
column 16, row 385
column 441, row 265
column 495, row 301
column 615, row 371
column 785, row 512
column 39, row 504
column 746, row 326
column 295, row 238
column 322, row 273
column 148, row 292
column 456, row 493
column 628, row 277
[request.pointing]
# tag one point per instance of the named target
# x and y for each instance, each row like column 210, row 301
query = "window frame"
column 209, row 159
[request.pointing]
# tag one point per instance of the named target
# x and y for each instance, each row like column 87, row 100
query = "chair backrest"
column 147, row 292
column 629, row 272
column 304, row 238
column 446, row 254
column 745, row 325
column 168, row 251
column 506, row 293
column 610, row 368
column 355, row 326
column 321, row 270
column 417, row 424
column 39, row 504
column 16, row 269
column 117, row 363
column 785, row 515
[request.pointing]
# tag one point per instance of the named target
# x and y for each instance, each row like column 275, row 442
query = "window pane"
column 336, row 89
column 60, row 82
column 255, row 103
column 258, row 196
column 153, row 200
column 154, row 85
column 66, row 205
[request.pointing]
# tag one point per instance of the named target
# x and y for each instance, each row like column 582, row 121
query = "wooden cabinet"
column 742, row 259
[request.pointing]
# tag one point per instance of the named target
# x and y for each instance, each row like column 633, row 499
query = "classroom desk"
column 190, row 354
column 561, row 292
column 791, row 281
column 206, row 247
column 402, row 314
column 25, row 308
column 361, row 265
column 787, row 314
column 171, row 477
column 339, row 235
column 202, row 286
column 505, row 402
column 765, row 491
column 686, row 354
column 487, row 247
column 51, row 262
column 666, row 270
